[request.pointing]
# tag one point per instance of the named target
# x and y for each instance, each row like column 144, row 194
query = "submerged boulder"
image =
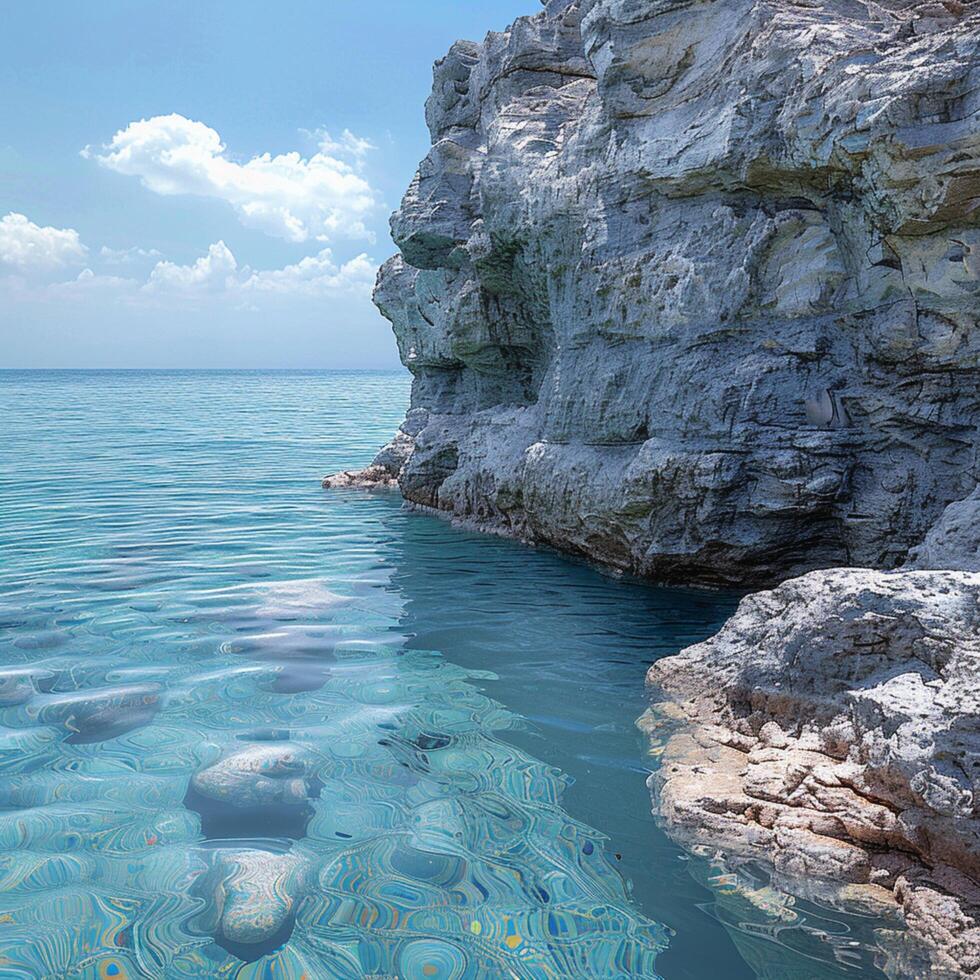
column 252, row 895
column 99, row 714
column 258, row 775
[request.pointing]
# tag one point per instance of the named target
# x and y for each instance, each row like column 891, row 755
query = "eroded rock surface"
column 954, row 540
column 252, row 895
column 832, row 728
column 258, row 776
column 691, row 287
column 384, row 470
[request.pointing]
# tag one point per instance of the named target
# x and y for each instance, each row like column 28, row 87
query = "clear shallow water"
column 252, row 729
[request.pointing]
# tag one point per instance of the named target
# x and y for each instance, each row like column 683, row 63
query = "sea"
column 252, row 728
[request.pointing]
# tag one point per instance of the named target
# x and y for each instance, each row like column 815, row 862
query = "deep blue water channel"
column 250, row 728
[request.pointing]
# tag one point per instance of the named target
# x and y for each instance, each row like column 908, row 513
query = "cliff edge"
column 691, row 288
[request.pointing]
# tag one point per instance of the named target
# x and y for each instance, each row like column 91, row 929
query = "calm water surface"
column 252, row 729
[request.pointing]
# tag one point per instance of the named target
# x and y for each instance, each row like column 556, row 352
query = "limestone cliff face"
column 692, row 287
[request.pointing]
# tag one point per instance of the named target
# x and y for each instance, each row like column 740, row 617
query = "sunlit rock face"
column 692, row 288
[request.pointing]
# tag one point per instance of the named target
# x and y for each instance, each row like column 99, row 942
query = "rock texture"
column 252, row 895
column 384, row 470
column 258, row 776
column 954, row 541
column 832, row 728
column 691, row 288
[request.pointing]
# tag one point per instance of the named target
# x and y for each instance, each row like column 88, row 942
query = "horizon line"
column 202, row 369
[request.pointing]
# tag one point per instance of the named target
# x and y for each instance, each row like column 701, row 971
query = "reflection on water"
column 250, row 729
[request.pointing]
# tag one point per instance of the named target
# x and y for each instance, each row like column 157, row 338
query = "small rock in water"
column 42, row 640
column 255, row 895
column 372, row 478
column 101, row 714
column 260, row 774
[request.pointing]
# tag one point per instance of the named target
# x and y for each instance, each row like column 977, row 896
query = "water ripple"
column 252, row 730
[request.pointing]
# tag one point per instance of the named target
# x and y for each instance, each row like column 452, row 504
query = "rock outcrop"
column 384, row 470
column 691, row 288
column 831, row 728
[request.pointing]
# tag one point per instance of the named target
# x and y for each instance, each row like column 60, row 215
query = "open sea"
column 250, row 728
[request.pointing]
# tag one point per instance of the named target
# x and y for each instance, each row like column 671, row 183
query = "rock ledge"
column 832, row 729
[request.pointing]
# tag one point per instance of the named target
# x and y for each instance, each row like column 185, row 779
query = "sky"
column 207, row 183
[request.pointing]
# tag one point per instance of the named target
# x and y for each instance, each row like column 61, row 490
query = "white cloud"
column 219, row 275
column 123, row 256
column 287, row 196
column 214, row 272
column 348, row 144
column 33, row 261
column 29, row 247
column 88, row 284
column 316, row 274
column 219, row 272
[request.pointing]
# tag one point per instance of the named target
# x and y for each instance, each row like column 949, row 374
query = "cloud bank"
column 25, row 246
column 35, row 260
column 321, row 197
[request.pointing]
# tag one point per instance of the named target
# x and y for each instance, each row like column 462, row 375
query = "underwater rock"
column 254, row 895
column 297, row 677
column 295, row 599
column 97, row 715
column 258, row 775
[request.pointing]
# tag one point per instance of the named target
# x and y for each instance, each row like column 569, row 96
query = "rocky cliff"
column 692, row 288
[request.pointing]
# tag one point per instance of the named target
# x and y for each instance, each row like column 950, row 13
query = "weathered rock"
column 252, row 894
column 383, row 472
column 692, row 287
column 832, row 728
column 954, row 540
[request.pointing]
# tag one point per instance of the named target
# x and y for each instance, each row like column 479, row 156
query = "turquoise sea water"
column 249, row 728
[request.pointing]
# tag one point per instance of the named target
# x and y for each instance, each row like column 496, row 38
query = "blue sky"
column 194, row 183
